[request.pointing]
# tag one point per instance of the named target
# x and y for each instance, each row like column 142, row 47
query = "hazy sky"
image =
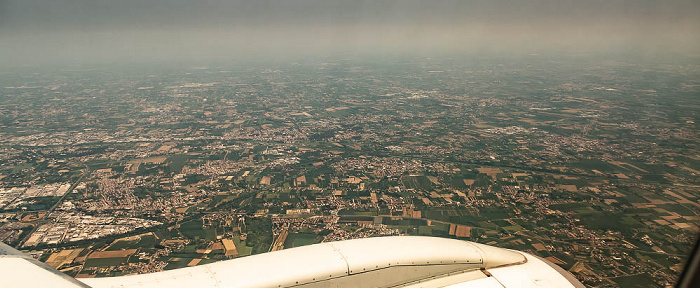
column 84, row 31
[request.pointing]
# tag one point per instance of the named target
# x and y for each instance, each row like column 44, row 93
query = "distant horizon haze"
column 36, row 32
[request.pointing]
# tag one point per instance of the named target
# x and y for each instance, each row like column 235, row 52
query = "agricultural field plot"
column 300, row 239
column 108, row 258
column 241, row 246
column 193, row 229
column 420, row 183
column 178, row 262
column 176, row 162
column 635, row 281
column 65, row 257
column 141, row 241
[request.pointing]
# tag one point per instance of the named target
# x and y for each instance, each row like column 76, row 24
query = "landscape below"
column 589, row 163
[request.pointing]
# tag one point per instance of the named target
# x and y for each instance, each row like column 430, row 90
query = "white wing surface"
column 399, row 261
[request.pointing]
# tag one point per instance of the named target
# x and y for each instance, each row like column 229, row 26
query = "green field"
column 416, row 182
column 512, row 228
column 300, row 239
column 636, row 281
column 20, row 167
column 148, row 241
column 193, row 229
column 181, row 263
column 243, row 250
column 176, row 162
column 123, row 244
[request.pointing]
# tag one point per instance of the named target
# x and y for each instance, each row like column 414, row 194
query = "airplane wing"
column 21, row 270
column 397, row 261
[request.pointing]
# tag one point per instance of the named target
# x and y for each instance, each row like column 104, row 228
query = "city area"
column 593, row 165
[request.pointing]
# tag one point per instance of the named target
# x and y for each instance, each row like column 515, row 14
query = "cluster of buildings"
column 72, row 227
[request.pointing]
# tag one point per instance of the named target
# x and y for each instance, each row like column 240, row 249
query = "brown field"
column 460, row 231
column 112, row 254
column 409, row 212
column 301, row 180
column 662, row 222
column 534, row 122
column 572, row 111
column 691, row 170
column 164, row 148
column 555, row 260
column 539, row 246
column 353, row 180
column 417, row 214
column 656, row 201
column 493, row 172
column 279, row 241
column 331, row 109
column 625, row 165
column 194, row 262
column 564, row 176
column 64, row 257
column 229, row 248
column 461, row 194
column 463, row 231
column 265, row 180
column 680, row 198
column 578, row 267
column 217, row 246
column 569, row 188
column 469, row 182
column 621, row 176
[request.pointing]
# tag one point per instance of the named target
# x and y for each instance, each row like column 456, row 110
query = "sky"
column 34, row 32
